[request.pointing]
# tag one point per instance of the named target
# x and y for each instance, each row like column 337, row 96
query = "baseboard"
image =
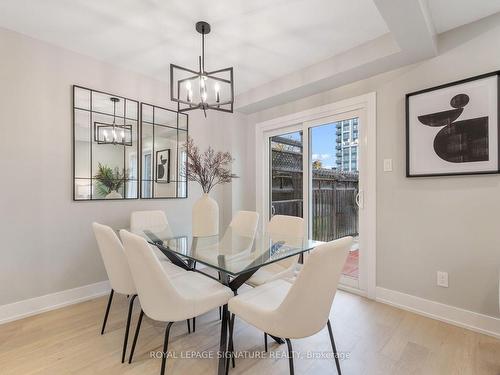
column 37, row 305
column 449, row 314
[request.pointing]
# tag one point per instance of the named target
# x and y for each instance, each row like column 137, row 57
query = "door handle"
column 273, row 210
column 360, row 199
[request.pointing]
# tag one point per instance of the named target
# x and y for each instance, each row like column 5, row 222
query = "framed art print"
column 453, row 129
column 163, row 166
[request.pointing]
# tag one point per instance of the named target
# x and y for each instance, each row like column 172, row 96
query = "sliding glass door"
column 314, row 173
column 334, row 186
column 286, row 174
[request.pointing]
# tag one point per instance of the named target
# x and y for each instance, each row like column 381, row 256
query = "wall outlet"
column 442, row 279
column 387, row 165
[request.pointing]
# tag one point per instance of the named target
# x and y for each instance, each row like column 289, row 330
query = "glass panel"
column 232, row 252
column 147, row 161
column 82, row 98
column 102, row 190
column 82, row 145
column 335, row 180
column 83, row 189
column 183, row 121
column 165, row 157
column 131, row 187
column 147, row 113
column 102, row 103
column 165, row 117
column 286, row 174
column 132, row 108
column 164, row 190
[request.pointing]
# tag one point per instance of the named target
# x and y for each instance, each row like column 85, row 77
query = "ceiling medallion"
column 201, row 89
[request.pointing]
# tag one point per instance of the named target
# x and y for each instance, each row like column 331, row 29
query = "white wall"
column 426, row 224
column 47, row 243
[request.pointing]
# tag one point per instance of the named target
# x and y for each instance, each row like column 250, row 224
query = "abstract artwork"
column 453, row 129
column 163, row 166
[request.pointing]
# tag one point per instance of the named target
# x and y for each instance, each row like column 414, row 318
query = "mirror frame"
column 91, row 141
column 140, row 154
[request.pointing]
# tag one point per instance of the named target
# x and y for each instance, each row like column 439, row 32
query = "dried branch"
column 208, row 169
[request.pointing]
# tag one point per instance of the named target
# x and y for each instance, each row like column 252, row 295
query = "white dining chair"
column 165, row 298
column 118, row 272
column 153, row 220
column 244, row 223
column 287, row 228
column 119, row 275
column 300, row 309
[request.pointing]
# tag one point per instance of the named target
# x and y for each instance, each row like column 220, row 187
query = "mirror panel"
column 163, row 157
column 105, row 146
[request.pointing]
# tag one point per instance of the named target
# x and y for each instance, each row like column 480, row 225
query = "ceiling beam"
column 411, row 39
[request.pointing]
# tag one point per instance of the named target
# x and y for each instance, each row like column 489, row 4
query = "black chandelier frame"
column 203, row 28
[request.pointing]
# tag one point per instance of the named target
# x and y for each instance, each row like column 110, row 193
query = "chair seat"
column 257, row 306
column 171, row 269
column 269, row 273
column 202, row 292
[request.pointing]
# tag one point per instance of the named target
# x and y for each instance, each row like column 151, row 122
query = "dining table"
column 235, row 254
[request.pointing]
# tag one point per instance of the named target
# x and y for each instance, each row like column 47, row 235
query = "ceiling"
column 262, row 39
column 449, row 14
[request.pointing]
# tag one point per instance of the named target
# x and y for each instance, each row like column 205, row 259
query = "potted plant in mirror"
column 109, row 181
column 209, row 169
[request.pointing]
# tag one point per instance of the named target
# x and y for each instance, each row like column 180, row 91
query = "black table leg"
column 223, row 342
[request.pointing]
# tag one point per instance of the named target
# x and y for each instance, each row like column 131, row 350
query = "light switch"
column 442, row 279
column 387, row 165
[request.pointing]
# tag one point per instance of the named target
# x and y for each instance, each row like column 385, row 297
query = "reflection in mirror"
column 163, row 154
column 105, row 146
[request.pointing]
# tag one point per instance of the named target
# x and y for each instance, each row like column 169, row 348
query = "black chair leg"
column 230, row 346
column 125, row 340
column 107, row 311
column 265, row 342
column 194, row 324
column 189, row 325
column 220, row 313
column 335, row 353
column 165, row 348
column 290, row 356
column 136, row 336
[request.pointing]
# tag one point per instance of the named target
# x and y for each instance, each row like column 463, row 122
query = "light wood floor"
column 378, row 338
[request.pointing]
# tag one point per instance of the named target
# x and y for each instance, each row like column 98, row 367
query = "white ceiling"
column 448, row 14
column 262, row 39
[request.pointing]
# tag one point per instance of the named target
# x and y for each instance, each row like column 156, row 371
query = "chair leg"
column 290, row 356
column 194, row 324
column 136, row 336
column 189, row 325
column 165, row 348
column 125, row 340
column 230, row 346
column 335, row 353
column 220, row 313
column 265, row 342
column 107, row 311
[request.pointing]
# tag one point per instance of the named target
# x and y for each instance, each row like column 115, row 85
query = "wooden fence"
column 334, row 210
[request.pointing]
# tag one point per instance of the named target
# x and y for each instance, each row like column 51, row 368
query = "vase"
column 205, row 217
column 114, row 195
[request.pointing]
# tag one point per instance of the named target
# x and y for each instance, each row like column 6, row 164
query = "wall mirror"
column 163, row 154
column 105, row 146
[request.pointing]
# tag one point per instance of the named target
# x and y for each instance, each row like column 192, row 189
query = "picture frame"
column 162, row 166
column 454, row 129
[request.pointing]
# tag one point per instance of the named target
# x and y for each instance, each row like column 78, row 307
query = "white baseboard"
column 449, row 314
column 37, row 305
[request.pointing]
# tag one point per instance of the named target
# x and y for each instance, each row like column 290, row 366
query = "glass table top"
column 233, row 252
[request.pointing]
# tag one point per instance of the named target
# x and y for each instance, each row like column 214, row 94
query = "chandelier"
column 202, row 89
column 113, row 134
